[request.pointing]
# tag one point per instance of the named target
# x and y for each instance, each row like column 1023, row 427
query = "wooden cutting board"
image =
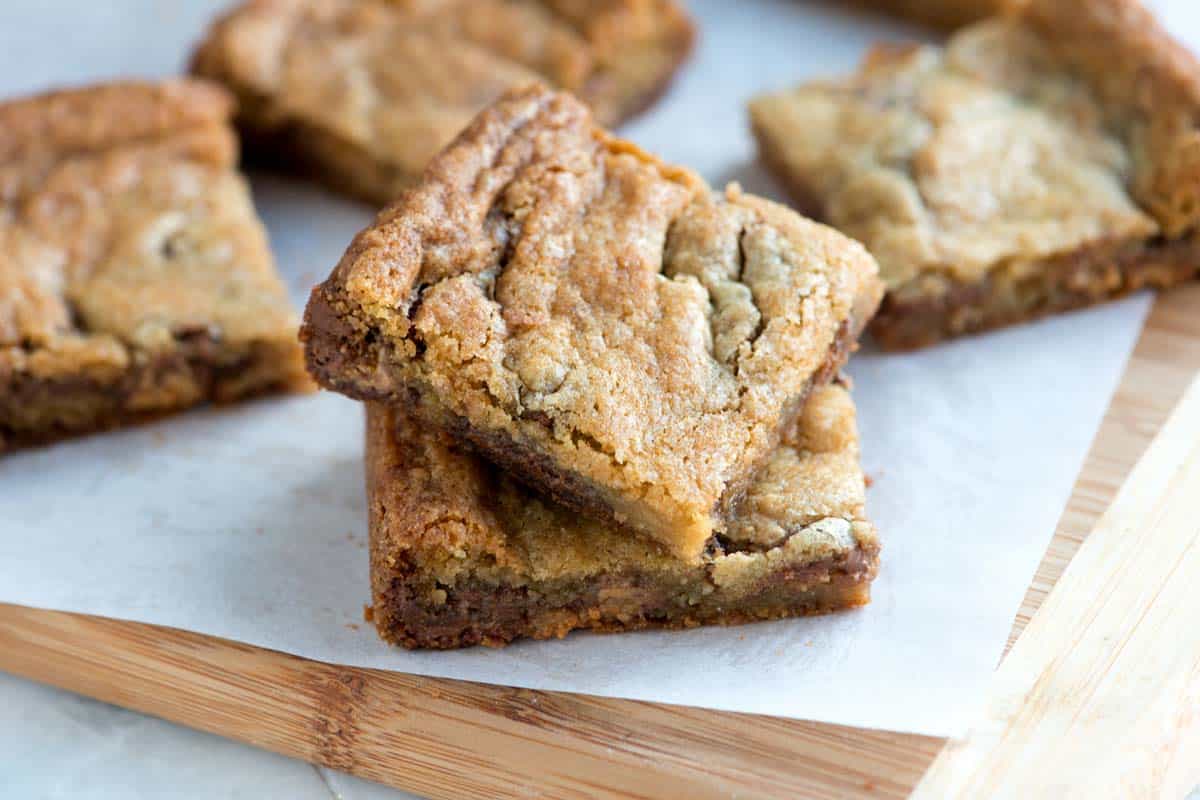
column 1098, row 696
column 452, row 739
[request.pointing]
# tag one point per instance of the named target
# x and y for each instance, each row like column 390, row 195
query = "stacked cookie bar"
column 600, row 394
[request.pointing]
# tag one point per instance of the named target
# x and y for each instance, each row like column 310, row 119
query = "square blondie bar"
column 362, row 93
column 463, row 555
column 1039, row 162
column 602, row 325
column 135, row 278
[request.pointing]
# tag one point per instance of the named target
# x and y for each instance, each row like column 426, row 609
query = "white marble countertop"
column 55, row 744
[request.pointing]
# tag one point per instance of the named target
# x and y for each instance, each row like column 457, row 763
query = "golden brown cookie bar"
column 600, row 323
column 135, row 278
column 462, row 555
column 364, row 92
column 938, row 13
column 1036, row 163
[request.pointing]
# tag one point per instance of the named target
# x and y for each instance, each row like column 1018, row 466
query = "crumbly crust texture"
column 461, row 554
column 365, row 92
column 1062, row 134
column 136, row 278
column 551, row 292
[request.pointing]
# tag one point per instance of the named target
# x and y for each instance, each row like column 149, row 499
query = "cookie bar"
column 362, row 93
column 462, row 555
column 135, row 278
column 599, row 323
column 1037, row 163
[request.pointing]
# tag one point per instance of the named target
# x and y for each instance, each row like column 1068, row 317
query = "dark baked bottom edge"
column 1074, row 280
column 36, row 411
column 300, row 149
column 1085, row 277
column 478, row 613
column 943, row 15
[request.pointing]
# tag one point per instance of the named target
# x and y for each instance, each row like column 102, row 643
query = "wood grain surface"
column 452, row 739
column 1098, row 697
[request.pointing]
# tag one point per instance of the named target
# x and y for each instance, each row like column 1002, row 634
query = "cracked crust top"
column 124, row 228
column 560, row 293
column 450, row 517
column 38, row 132
column 1063, row 125
column 1148, row 85
column 395, row 81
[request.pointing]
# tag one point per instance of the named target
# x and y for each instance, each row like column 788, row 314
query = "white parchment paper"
column 249, row 523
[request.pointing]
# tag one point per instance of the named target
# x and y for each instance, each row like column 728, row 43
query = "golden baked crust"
column 600, row 323
column 981, row 174
column 365, row 92
column 39, row 132
column 1148, row 86
column 136, row 278
column 462, row 555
